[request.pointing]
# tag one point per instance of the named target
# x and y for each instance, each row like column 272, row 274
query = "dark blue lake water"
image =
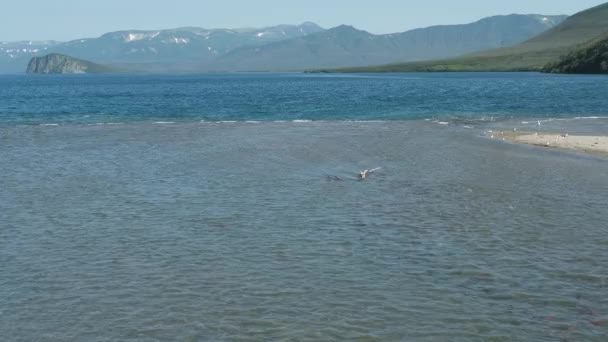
column 91, row 99
column 161, row 227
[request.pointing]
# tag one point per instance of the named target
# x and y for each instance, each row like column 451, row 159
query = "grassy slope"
column 531, row 55
column 591, row 58
column 94, row 68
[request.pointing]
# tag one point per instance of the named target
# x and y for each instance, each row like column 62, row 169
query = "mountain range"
column 173, row 50
column 531, row 55
column 344, row 45
column 279, row 48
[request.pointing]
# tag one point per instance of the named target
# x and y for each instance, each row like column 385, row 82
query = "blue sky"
column 71, row 19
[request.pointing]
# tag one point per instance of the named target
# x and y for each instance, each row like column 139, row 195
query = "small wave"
column 163, row 122
column 253, row 122
column 103, row 124
column 49, row 124
column 366, row 121
column 443, row 122
column 301, row 121
column 589, row 117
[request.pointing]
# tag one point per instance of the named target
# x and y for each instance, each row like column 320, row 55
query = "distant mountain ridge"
column 281, row 48
column 174, row 50
column 531, row 55
column 184, row 48
column 345, row 45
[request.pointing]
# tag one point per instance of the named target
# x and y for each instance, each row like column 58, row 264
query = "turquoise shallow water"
column 233, row 231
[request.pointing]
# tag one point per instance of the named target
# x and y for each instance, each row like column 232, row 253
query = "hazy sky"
column 71, row 19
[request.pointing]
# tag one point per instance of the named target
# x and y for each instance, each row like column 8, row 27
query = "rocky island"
column 62, row 64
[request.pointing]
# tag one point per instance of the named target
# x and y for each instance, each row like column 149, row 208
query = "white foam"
column 103, row 124
column 443, row 123
column 49, row 124
column 365, row 121
column 301, row 121
column 589, row 117
column 252, row 122
column 163, row 122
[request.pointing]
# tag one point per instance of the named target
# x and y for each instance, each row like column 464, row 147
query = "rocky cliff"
column 62, row 64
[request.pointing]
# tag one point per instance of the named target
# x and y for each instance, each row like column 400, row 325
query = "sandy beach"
column 583, row 143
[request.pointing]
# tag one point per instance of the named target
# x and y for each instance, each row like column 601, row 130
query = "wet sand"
column 583, row 143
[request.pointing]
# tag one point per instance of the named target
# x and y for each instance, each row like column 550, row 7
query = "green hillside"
column 531, row 55
column 589, row 59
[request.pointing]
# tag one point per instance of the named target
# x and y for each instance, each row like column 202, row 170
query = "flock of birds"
column 538, row 124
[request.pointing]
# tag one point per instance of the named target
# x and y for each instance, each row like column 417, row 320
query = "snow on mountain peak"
column 132, row 37
column 176, row 40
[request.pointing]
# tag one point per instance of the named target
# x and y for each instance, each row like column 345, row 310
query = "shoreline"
column 593, row 144
column 451, row 121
